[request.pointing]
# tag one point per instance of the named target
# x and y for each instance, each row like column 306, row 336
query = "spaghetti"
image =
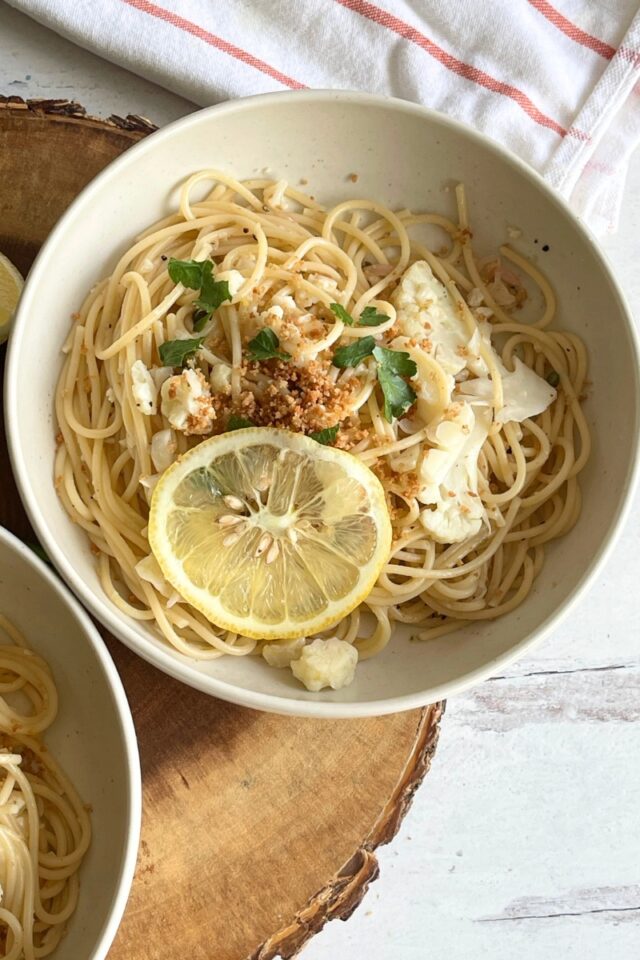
column 480, row 473
column 44, row 827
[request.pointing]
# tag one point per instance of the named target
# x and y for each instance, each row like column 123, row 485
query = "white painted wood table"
column 524, row 841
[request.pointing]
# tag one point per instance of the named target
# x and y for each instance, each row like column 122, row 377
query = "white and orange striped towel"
column 558, row 83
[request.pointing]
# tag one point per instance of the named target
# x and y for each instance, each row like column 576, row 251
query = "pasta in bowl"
column 70, row 792
column 260, row 307
column 383, row 327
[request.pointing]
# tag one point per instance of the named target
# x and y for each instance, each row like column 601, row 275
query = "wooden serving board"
column 257, row 829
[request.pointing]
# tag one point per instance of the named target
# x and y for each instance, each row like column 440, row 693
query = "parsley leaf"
column 371, row 318
column 398, row 395
column 553, row 379
column 368, row 318
column 397, row 361
column 238, row 423
column 341, row 313
column 187, row 272
column 393, row 365
column 212, row 294
column 355, row 353
column 264, row 346
column 175, row 353
column 326, row 436
column 198, row 275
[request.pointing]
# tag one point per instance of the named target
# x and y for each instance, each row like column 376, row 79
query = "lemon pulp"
column 268, row 533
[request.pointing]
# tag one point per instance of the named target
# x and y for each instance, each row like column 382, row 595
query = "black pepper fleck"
column 545, row 247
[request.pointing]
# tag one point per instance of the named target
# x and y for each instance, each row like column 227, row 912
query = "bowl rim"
column 170, row 661
column 124, row 880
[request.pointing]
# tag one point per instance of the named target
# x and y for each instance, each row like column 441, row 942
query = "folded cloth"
column 558, row 84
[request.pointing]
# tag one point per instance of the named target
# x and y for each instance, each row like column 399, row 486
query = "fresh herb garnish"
column 200, row 318
column 212, row 292
column 326, row 436
column 198, row 275
column 341, row 313
column 393, row 365
column 175, row 353
column 371, row 318
column 368, row 318
column 238, row 423
column 264, row 346
column 354, row 353
column 187, row 272
column 553, row 379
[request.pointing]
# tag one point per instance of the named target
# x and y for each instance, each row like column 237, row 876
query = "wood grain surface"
column 257, row 829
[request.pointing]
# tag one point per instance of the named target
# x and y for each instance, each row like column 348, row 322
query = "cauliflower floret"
column 425, row 310
column 220, row 378
column 290, row 325
column 163, row 449
column 525, row 394
column 306, row 299
column 143, row 388
column 449, row 437
column 285, row 302
column 326, row 663
column 234, row 278
column 282, row 653
column 186, row 403
column 454, row 511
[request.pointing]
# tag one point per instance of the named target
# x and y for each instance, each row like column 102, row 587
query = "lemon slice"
column 269, row 533
column 11, row 284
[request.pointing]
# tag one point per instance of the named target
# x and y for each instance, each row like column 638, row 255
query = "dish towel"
column 557, row 83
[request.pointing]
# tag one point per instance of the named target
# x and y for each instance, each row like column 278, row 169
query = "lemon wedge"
column 268, row 533
column 11, row 284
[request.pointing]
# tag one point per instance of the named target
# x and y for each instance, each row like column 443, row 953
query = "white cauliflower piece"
column 454, row 510
column 234, row 278
column 220, row 378
column 285, row 302
column 164, row 448
column 143, row 389
column 425, row 310
column 525, row 393
column 326, row 663
column 282, row 653
column 186, row 402
column 449, row 437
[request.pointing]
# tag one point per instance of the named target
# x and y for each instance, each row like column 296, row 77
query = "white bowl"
column 92, row 737
column 404, row 155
